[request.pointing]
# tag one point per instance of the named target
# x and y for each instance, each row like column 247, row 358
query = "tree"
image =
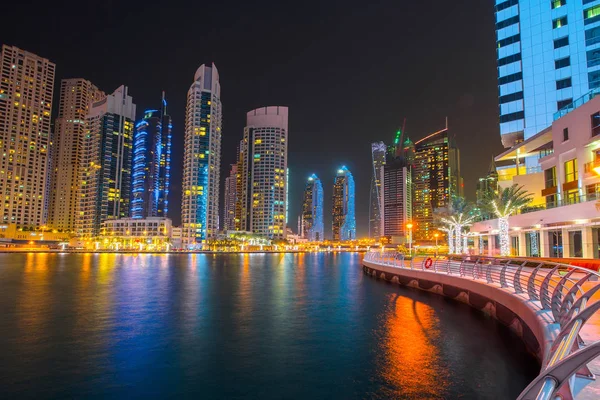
column 503, row 204
column 455, row 218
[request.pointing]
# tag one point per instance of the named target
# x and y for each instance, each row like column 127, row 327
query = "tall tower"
column 76, row 97
column 344, row 219
column 152, row 164
column 26, row 88
column 263, row 172
column 105, row 173
column 230, row 199
column 378, row 160
column 312, row 210
column 396, row 193
column 202, row 158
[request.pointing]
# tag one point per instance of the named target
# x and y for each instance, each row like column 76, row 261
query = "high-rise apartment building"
column 76, row 97
column 26, row 89
column 151, row 173
column 548, row 59
column 396, row 193
column 230, row 199
column 344, row 218
column 378, row 151
column 436, row 178
column 202, row 158
column 311, row 225
column 105, row 173
column 262, row 199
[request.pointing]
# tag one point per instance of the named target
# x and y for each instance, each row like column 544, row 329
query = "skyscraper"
column 76, row 97
column 436, row 177
column 230, row 199
column 26, row 88
column 151, row 173
column 344, row 219
column 548, row 59
column 378, row 151
column 202, row 158
column 396, row 191
column 105, row 173
column 263, row 172
column 312, row 210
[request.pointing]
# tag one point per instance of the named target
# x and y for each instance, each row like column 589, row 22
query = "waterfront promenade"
column 552, row 307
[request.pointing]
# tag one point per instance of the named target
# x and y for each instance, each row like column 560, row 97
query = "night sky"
column 350, row 72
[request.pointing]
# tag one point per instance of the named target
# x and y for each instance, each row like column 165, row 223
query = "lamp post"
column 409, row 226
column 436, row 235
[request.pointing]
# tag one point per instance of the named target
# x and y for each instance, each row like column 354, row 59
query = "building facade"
column 548, row 58
column 230, row 199
column 344, row 218
column 76, row 97
column 311, row 224
column 151, row 172
column 563, row 218
column 202, row 158
column 378, row 151
column 147, row 234
column 436, row 179
column 262, row 199
column 26, row 89
column 397, row 195
column 105, row 172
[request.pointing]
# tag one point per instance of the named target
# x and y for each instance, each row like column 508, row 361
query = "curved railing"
column 563, row 290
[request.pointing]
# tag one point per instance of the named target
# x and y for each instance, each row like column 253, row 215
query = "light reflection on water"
column 239, row 326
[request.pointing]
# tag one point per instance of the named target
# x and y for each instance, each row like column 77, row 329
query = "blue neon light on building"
column 344, row 218
column 312, row 210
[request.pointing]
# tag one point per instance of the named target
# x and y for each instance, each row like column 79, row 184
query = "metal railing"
column 555, row 288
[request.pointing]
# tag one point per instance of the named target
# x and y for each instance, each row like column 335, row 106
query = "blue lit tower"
column 151, row 164
column 548, row 58
column 201, row 159
column 344, row 220
column 312, row 210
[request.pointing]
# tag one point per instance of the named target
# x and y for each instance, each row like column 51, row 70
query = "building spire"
column 492, row 169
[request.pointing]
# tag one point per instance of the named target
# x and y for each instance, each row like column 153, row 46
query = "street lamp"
column 409, row 226
column 436, row 235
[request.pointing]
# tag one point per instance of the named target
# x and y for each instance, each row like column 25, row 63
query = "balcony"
column 576, row 103
column 592, row 167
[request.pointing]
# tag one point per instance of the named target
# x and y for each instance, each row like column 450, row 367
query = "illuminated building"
column 105, row 173
column 262, row 199
column 487, row 183
column 148, row 234
column 76, row 96
column 396, row 191
column 202, row 158
column 230, row 199
column 378, row 151
column 151, row 172
column 26, row 88
column 344, row 219
column 312, row 210
column 436, row 179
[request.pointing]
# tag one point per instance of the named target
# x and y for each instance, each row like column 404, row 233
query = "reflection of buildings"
column 436, row 177
column 26, row 90
column 202, row 158
column 378, row 151
column 76, row 96
column 562, row 220
column 105, row 173
column 230, row 199
column 151, row 164
column 262, row 195
column 311, row 226
column 344, row 220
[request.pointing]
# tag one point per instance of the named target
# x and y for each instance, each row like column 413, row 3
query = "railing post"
column 545, row 297
column 531, row 284
column 517, row 279
column 488, row 273
column 503, row 283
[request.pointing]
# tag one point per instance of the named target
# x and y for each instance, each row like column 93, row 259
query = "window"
column 507, row 22
column 510, row 59
column 571, row 170
column 593, row 58
column 557, row 3
column 565, row 134
column 591, row 15
column 562, row 42
column 558, row 22
column 511, row 97
column 592, row 192
column 594, row 79
column 563, row 62
column 564, row 104
column 550, row 177
column 512, row 116
column 572, row 196
column 592, row 36
column 510, row 78
column 509, row 40
column 506, row 4
column 595, row 122
column 563, row 83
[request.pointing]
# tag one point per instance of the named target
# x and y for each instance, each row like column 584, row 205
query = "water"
column 284, row 326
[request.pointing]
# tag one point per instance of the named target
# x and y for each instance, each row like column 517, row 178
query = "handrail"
column 554, row 287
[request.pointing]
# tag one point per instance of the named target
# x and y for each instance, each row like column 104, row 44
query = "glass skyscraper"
column 378, row 150
column 344, row 218
column 312, row 210
column 151, row 164
column 548, row 61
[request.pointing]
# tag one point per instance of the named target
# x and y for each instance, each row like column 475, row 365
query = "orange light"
column 596, row 170
column 436, row 235
column 409, row 225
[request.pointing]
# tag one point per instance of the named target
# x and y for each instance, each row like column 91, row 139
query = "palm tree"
column 503, row 204
column 457, row 216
